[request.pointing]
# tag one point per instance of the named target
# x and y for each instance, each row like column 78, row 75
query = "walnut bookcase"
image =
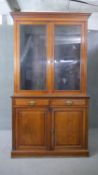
column 50, row 103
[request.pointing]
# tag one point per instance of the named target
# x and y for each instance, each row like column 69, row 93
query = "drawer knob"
column 32, row 103
column 69, row 102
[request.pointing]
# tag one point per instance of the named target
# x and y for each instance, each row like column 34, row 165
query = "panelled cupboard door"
column 68, row 127
column 31, row 128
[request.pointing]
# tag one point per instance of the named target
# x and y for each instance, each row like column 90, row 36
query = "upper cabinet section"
column 50, row 53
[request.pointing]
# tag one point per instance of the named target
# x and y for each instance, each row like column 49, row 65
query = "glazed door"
column 67, row 57
column 31, row 129
column 68, row 128
column 33, row 57
column 32, row 66
column 68, row 51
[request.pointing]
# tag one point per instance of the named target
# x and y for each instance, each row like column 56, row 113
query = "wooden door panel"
column 31, row 127
column 68, row 127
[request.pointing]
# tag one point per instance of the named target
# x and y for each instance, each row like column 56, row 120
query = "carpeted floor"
column 48, row 166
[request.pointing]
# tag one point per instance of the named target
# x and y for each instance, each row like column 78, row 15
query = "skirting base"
column 71, row 153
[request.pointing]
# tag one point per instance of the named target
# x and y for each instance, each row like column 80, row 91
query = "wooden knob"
column 32, row 103
column 69, row 102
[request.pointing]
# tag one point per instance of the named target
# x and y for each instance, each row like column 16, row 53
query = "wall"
column 92, row 21
column 92, row 76
column 6, row 75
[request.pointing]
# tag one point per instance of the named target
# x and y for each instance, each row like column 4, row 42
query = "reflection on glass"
column 33, row 57
column 67, row 57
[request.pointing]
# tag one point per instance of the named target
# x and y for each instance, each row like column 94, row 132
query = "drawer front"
column 31, row 102
column 69, row 102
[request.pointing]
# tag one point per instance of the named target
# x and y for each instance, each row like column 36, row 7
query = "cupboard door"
column 33, row 57
column 69, row 128
column 31, row 128
column 67, row 56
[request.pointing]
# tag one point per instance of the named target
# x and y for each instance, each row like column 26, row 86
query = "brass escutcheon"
column 69, row 102
column 32, row 103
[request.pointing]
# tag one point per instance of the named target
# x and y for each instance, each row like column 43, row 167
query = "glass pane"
column 33, row 57
column 67, row 57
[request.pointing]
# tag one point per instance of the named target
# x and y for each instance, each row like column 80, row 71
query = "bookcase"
column 50, row 102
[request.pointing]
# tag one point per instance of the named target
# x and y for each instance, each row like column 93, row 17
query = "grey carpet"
column 48, row 166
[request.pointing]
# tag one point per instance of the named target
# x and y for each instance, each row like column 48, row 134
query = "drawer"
column 31, row 102
column 69, row 102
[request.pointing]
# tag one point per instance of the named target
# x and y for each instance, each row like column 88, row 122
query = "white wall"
column 93, row 22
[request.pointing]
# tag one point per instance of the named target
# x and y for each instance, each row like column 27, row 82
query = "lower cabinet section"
column 40, row 130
